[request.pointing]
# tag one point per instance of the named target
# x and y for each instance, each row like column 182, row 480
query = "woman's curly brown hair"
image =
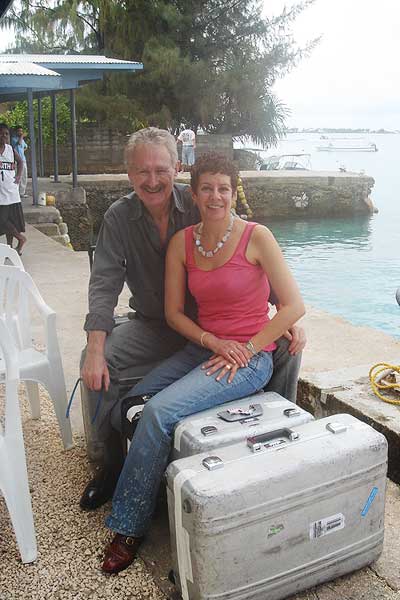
column 213, row 162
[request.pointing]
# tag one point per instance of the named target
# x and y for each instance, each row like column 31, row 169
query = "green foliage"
column 17, row 114
column 208, row 63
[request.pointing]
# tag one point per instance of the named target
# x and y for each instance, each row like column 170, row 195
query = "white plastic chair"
column 10, row 257
column 17, row 294
column 6, row 252
column 13, row 474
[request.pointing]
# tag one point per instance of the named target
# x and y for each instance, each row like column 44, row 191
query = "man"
column 187, row 138
column 19, row 145
column 131, row 248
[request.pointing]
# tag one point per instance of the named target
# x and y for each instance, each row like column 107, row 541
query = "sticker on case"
column 326, row 526
column 275, row 529
column 370, row 500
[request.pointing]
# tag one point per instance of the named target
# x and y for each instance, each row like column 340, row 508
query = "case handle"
column 272, row 438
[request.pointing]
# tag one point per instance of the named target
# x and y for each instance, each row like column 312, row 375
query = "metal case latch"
column 212, row 463
column 208, row 430
column 336, row 427
column 291, row 412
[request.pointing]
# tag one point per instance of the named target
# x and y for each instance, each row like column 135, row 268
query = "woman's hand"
column 233, row 352
column 223, row 366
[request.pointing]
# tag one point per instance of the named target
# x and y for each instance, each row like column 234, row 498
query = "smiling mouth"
column 215, row 206
column 156, row 191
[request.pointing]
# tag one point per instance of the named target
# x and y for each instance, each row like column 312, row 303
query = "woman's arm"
column 175, row 290
column 264, row 249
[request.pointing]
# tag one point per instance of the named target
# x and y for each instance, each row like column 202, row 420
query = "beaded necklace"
column 225, row 238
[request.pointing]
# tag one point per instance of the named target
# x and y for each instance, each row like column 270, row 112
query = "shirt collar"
column 136, row 205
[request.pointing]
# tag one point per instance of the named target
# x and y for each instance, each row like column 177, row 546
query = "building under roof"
column 39, row 75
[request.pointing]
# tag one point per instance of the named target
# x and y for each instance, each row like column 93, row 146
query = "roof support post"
column 73, row 138
column 35, row 194
column 40, row 136
column 55, row 147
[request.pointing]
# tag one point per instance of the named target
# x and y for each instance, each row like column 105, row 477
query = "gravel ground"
column 70, row 542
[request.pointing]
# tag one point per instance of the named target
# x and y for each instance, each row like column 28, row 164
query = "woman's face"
column 214, row 195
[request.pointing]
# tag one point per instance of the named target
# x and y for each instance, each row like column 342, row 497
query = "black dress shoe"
column 100, row 489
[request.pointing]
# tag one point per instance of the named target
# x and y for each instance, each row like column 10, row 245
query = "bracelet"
column 250, row 346
column 203, row 336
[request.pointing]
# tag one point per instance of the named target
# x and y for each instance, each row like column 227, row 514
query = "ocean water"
column 349, row 267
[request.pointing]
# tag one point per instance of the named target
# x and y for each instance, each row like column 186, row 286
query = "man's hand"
column 95, row 371
column 297, row 337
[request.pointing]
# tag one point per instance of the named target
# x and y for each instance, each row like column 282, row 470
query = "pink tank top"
column 232, row 299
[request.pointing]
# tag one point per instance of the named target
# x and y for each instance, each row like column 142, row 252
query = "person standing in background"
column 12, row 222
column 187, row 138
column 19, row 145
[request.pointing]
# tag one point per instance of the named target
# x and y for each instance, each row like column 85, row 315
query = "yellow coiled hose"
column 378, row 375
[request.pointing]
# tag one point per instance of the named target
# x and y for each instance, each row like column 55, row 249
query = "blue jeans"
column 181, row 389
column 188, row 155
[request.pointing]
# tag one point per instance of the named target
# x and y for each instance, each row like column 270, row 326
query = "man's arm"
column 20, row 165
column 106, row 282
column 107, row 277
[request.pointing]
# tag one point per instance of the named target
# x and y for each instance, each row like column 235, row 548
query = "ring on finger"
column 229, row 367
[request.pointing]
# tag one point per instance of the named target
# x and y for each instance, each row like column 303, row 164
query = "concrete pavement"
column 335, row 366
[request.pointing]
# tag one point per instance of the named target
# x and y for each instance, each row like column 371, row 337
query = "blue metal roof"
column 15, row 75
column 71, row 71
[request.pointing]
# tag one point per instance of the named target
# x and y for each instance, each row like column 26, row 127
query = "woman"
column 228, row 264
column 12, row 222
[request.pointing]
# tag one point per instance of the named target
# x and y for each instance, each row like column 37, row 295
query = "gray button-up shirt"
column 129, row 249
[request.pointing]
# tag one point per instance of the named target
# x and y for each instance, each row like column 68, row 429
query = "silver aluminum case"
column 268, row 524
column 189, row 439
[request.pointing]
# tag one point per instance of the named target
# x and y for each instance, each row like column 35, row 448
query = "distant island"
column 337, row 130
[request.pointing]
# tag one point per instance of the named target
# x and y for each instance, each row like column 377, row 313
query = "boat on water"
column 286, row 162
column 347, row 146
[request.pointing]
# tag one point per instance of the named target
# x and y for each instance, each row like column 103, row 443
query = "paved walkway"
column 334, row 349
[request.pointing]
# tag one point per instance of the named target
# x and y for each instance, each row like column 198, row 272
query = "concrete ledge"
column 349, row 391
column 48, row 228
column 42, row 214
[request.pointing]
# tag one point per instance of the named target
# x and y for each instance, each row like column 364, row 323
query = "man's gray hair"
column 152, row 135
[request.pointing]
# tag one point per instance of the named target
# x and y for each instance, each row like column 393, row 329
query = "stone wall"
column 271, row 195
column 84, row 219
column 309, row 194
column 101, row 150
column 246, row 160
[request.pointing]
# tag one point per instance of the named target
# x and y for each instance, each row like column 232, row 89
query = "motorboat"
column 347, row 146
column 286, row 162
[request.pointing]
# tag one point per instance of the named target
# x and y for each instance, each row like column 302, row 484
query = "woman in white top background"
column 12, row 222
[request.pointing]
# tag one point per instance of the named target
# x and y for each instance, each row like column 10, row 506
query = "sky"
column 352, row 78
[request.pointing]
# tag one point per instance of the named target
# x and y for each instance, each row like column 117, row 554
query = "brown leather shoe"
column 120, row 553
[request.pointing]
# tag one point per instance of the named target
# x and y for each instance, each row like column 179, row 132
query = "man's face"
column 152, row 173
column 20, row 131
column 4, row 136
